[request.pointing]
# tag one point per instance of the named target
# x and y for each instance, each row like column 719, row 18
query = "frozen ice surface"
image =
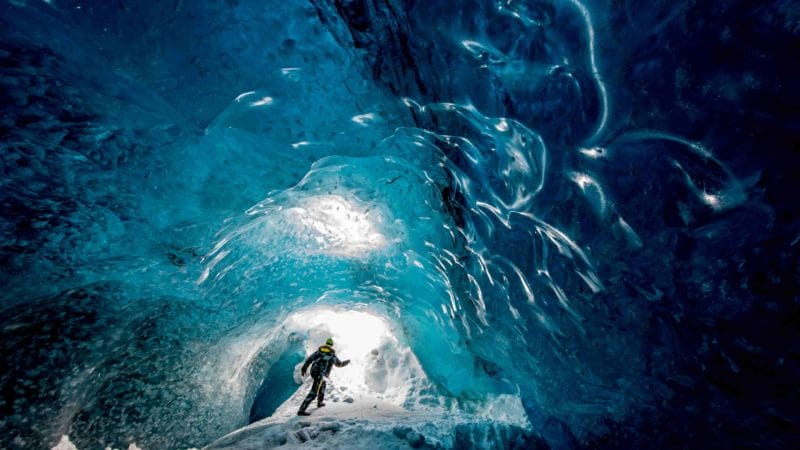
column 349, row 420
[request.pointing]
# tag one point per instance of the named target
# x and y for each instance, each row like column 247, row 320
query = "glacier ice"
column 529, row 223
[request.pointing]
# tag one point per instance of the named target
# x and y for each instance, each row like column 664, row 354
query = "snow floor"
column 353, row 421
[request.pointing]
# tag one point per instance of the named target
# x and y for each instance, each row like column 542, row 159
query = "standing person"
column 321, row 361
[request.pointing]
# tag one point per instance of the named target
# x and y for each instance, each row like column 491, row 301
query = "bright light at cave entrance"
column 339, row 226
column 354, row 334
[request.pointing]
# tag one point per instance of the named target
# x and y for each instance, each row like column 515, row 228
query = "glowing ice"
column 336, row 225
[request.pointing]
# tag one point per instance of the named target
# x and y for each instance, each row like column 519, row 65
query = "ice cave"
column 528, row 224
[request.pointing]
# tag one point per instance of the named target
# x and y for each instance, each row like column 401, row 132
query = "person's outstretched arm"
column 337, row 363
column 340, row 363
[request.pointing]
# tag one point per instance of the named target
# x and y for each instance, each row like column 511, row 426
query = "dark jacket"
column 322, row 361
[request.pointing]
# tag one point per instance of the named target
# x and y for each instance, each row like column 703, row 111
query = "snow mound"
column 365, row 422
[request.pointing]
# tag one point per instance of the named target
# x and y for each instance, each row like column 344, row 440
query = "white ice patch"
column 66, row 444
column 243, row 95
column 364, row 119
column 264, row 101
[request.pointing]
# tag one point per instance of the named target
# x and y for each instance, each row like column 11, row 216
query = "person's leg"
column 321, row 394
column 313, row 393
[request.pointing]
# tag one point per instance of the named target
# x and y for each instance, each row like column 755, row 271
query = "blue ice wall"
column 584, row 203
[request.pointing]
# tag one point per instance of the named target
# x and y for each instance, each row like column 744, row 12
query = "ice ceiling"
column 580, row 211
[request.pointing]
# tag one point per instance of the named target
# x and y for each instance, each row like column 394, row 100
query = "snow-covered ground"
column 358, row 421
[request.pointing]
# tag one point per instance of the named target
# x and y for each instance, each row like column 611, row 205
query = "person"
column 321, row 362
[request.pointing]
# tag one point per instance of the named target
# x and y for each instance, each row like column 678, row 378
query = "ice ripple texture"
column 579, row 205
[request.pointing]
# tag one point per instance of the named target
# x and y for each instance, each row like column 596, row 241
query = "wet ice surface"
column 582, row 208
